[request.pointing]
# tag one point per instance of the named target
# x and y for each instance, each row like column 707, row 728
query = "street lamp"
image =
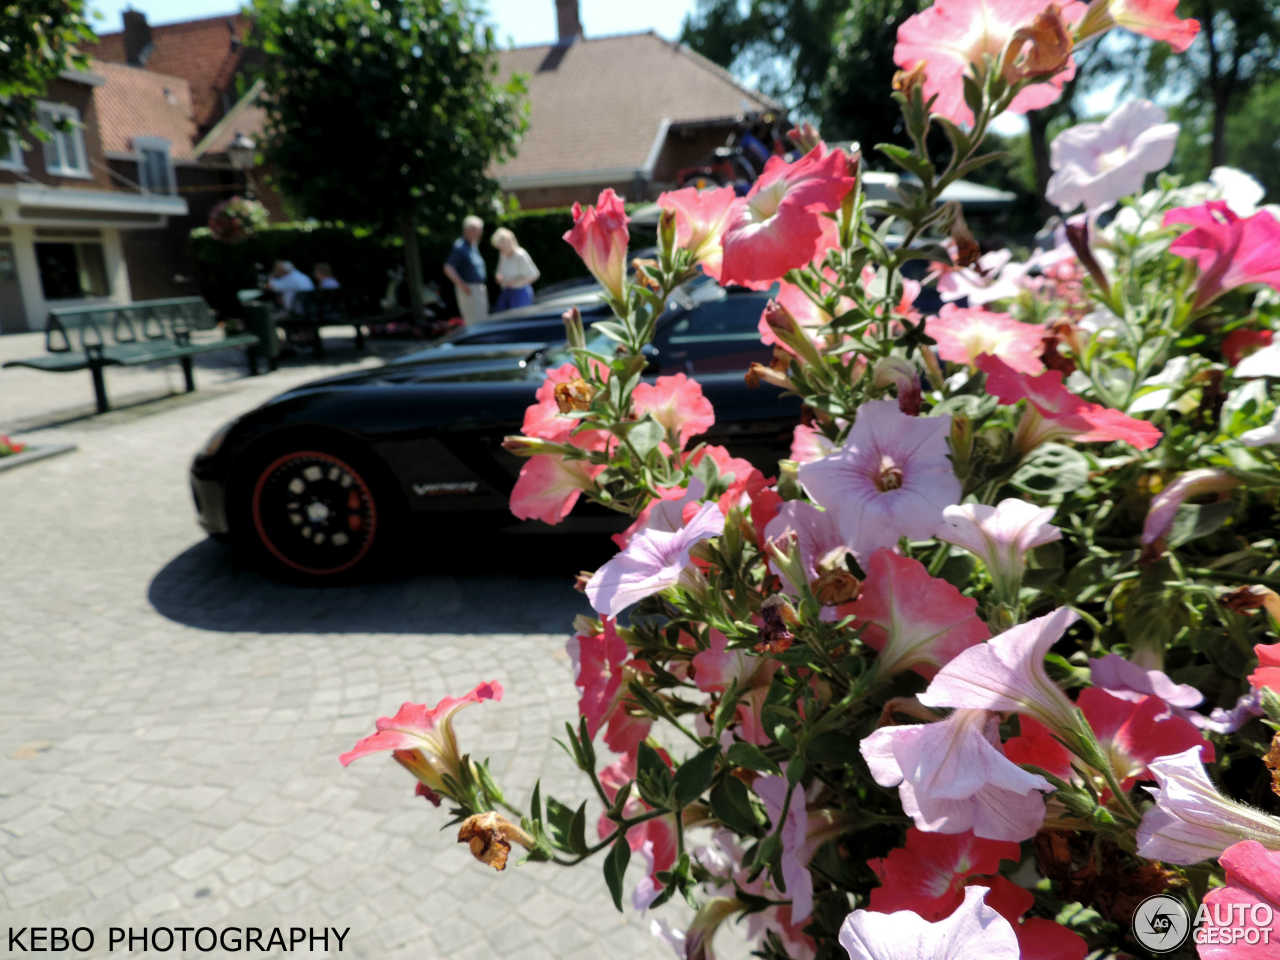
column 241, row 152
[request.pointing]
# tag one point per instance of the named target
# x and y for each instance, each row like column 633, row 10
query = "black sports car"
column 322, row 479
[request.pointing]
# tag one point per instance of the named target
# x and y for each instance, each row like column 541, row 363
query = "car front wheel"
column 318, row 515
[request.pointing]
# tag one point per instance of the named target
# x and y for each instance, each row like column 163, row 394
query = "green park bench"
column 313, row 309
column 130, row 335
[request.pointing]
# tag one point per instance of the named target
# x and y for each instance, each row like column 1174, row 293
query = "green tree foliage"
column 1237, row 49
column 384, row 113
column 38, row 41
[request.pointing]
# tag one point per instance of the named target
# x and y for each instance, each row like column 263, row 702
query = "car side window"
column 719, row 336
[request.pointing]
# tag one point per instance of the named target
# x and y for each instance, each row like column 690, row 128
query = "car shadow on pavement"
column 520, row 584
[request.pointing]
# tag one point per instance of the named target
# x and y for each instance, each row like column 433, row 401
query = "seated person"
column 324, row 277
column 286, row 282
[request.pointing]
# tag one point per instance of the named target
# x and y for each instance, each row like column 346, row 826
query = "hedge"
column 360, row 259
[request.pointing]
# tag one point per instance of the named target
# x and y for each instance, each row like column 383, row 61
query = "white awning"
column 36, row 203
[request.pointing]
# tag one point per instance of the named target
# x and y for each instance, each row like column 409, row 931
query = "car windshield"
column 692, row 293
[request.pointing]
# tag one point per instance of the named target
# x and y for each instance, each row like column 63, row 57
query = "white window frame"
column 13, row 159
column 155, row 143
column 63, row 111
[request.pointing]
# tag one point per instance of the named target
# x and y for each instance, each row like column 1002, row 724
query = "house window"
column 155, row 169
column 72, row 268
column 64, row 154
column 11, row 152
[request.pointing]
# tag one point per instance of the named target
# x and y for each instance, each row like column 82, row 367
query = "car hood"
column 496, row 361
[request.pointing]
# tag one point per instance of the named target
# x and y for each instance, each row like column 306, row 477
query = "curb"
column 33, row 453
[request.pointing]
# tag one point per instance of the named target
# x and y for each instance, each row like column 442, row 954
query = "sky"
column 520, row 22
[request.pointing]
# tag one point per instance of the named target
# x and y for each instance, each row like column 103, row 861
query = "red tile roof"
column 600, row 103
column 141, row 103
column 203, row 52
column 245, row 117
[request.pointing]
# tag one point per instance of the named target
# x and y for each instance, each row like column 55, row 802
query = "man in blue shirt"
column 465, row 269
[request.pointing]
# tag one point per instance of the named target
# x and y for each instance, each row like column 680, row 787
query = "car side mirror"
column 651, row 357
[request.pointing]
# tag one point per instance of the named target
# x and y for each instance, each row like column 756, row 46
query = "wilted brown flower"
column 573, row 395
column 836, row 587
column 905, row 81
column 490, row 837
column 1039, row 50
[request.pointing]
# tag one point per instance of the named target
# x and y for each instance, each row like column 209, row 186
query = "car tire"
column 317, row 511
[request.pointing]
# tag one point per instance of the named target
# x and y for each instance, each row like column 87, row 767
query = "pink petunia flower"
column 781, row 225
column 927, row 875
column 966, row 333
column 600, row 237
column 795, row 854
column 1098, row 163
column 1230, row 251
column 1268, row 672
column 677, row 403
column 818, row 542
column 1007, row 674
column 916, row 622
column 651, row 562
column 1191, row 821
column 809, row 444
column 549, row 485
column 1054, row 412
column 1165, row 504
column 1134, row 733
column 974, row 931
column 1156, row 19
column 996, row 276
column 952, row 35
column 421, row 739
column 601, row 661
column 999, row 536
column 1129, row 681
column 1249, row 899
column 891, row 478
column 701, row 219
column 952, row 777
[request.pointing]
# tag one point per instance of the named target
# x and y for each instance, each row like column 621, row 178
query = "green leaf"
column 750, row 756
column 1197, row 520
column 907, row 160
column 535, row 802
column 1052, row 468
column 694, row 775
column 731, row 804
column 653, row 778
column 646, row 435
column 615, row 868
column 578, row 830
column 559, row 822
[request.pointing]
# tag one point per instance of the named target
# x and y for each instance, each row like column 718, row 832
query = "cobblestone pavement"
column 170, row 722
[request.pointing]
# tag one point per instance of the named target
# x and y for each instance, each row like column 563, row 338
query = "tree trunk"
column 1038, row 134
column 413, row 269
column 1218, row 151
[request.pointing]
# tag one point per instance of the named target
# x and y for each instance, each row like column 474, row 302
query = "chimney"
column 568, row 23
column 137, row 38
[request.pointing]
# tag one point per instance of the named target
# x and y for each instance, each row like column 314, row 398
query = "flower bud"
column 1077, row 230
column 789, row 333
column 573, row 331
column 573, row 395
column 667, row 234
column 1040, row 50
column 523, row 446
column 805, row 137
column 967, row 250
column 490, row 837
column 901, row 374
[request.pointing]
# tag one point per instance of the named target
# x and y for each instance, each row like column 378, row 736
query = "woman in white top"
column 516, row 273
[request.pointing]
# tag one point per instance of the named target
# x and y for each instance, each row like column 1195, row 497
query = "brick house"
column 626, row 111
column 67, row 209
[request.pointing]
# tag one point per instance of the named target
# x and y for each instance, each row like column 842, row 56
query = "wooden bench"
column 150, row 331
